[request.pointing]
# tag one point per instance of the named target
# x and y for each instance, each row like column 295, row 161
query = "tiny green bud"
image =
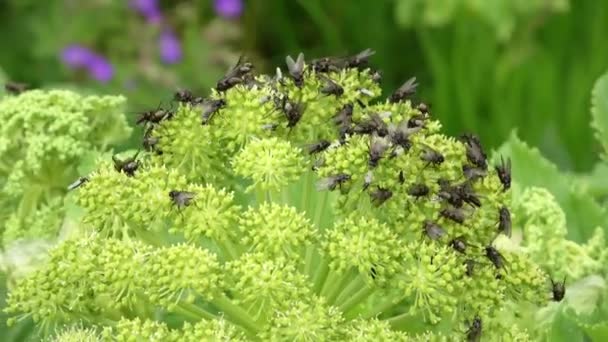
column 270, row 163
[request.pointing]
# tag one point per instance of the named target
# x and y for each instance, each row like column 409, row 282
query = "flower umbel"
column 292, row 207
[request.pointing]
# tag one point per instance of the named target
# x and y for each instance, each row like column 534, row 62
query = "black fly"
column 416, row 121
column 472, row 173
column 373, row 124
column 465, row 192
column 449, row 193
column 418, row 190
column 504, row 221
column 459, row 245
column 475, row 153
column 296, row 69
column 210, row 108
column 293, row 111
column 15, row 88
column 186, row 96
column 406, row 90
column 154, row 116
column 149, row 142
column 377, row 148
column 558, row 289
column 432, row 156
column 78, row 183
column 326, row 64
column 495, row 257
column 433, row 230
column 234, row 76
column 380, row 195
column 454, row 214
column 331, row 87
column 330, row 183
column 128, row 166
column 181, row 199
column 400, row 135
column 344, row 117
column 319, row 146
column 401, row 177
column 359, row 60
column 504, row 172
column 423, row 108
column 474, row 331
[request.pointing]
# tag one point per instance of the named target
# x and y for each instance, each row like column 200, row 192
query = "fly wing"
column 326, row 183
column 409, row 87
column 365, row 54
column 295, row 67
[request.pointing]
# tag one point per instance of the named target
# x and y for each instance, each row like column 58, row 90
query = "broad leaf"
column 599, row 112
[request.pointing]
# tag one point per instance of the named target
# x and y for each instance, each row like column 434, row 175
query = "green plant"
column 228, row 228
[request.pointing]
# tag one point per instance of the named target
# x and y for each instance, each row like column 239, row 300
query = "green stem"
column 357, row 298
column 260, row 195
column 236, row 313
column 29, row 201
column 228, row 248
column 308, row 261
column 333, row 284
column 193, row 311
column 149, row 237
column 305, row 191
column 320, row 275
column 320, row 209
column 411, row 322
column 353, row 287
column 378, row 309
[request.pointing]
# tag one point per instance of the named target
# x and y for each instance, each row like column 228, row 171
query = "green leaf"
column 598, row 332
column 530, row 168
column 599, row 112
column 564, row 329
column 594, row 183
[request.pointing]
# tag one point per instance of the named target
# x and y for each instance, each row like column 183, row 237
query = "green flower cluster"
column 544, row 225
column 46, row 138
column 291, row 207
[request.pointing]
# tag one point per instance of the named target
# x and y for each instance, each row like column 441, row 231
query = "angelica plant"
column 276, row 210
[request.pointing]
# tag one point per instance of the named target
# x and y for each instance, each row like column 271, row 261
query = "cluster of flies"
column 386, row 141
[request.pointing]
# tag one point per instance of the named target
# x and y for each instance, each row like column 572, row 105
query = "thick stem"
column 400, row 321
column 308, row 261
column 192, row 311
column 235, row 313
column 378, row 309
column 333, row 284
column 357, row 298
column 148, row 236
column 353, row 287
column 228, row 248
column 320, row 275
column 320, row 209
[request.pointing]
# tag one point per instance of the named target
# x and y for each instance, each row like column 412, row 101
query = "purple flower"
column 80, row 57
column 170, row 47
column 228, row 8
column 147, row 8
column 76, row 56
column 100, row 69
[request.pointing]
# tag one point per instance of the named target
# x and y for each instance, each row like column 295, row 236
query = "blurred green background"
column 487, row 66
